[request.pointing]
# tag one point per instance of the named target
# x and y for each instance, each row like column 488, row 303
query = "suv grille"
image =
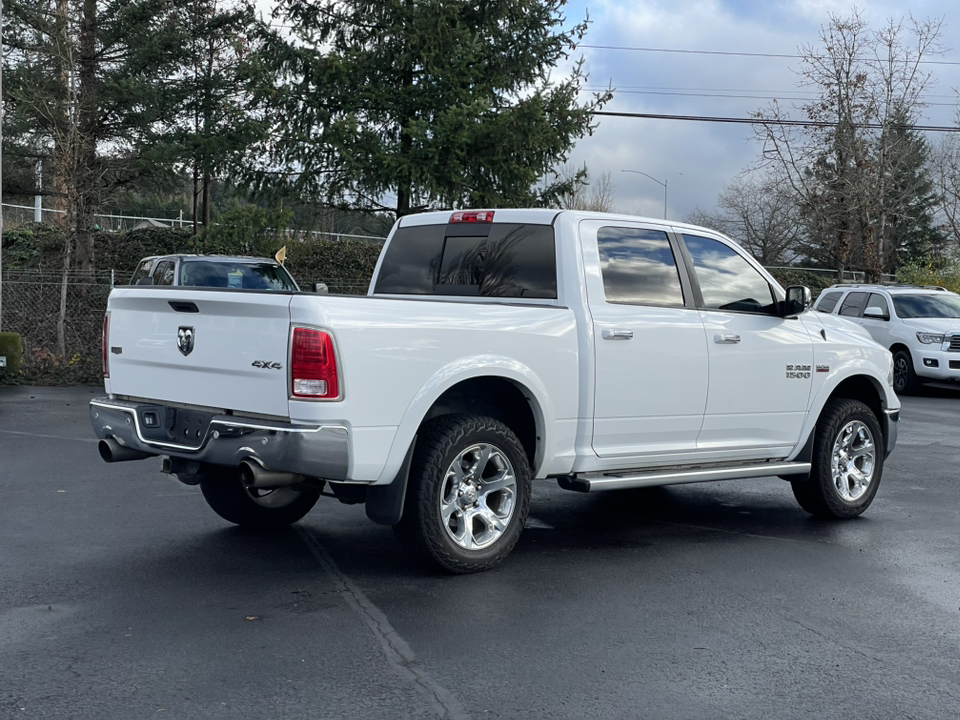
column 954, row 343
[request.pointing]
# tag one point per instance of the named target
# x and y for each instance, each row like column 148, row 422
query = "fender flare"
column 469, row 368
column 826, row 391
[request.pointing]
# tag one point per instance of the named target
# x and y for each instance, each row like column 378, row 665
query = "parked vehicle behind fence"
column 217, row 271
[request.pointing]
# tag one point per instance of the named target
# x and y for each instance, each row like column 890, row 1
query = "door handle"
column 608, row 334
column 726, row 339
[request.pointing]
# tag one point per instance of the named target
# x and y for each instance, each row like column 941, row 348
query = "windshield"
column 927, row 306
column 236, row 275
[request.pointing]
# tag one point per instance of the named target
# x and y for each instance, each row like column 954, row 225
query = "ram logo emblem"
column 186, row 339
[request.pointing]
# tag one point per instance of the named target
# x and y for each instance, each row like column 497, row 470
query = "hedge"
column 33, row 259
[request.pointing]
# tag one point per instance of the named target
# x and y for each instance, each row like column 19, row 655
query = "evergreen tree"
column 215, row 126
column 438, row 103
column 83, row 94
column 910, row 198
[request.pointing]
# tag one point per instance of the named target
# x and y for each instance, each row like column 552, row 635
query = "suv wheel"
column 905, row 379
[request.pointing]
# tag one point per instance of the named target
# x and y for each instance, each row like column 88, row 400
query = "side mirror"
column 875, row 312
column 145, row 281
column 321, row 289
column 799, row 298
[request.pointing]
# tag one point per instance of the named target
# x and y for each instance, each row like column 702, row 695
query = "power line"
column 723, row 96
column 762, row 121
column 732, row 53
column 777, row 92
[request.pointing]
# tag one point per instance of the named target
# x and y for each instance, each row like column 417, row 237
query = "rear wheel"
column 905, row 380
column 256, row 508
column 468, row 496
column 847, row 462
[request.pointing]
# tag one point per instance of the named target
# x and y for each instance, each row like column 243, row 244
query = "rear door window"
column 853, row 304
column 638, row 267
column 503, row 260
column 828, row 302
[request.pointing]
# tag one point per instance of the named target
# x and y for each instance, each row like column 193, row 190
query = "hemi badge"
column 823, row 368
column 117, row 350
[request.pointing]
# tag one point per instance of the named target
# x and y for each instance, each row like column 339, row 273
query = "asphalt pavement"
column 122, row 595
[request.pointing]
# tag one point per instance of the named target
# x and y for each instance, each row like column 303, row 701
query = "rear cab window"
column 507, row 260
column 235, row 275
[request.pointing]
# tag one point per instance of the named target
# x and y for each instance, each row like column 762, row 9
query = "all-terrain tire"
column 468, row 495
column 847, row 462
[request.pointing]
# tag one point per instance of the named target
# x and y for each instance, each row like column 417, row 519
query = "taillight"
column 313, row 365
column 104, row 341
column 472, row 216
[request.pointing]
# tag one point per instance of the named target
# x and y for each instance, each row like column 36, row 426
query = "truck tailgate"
column 221, row 349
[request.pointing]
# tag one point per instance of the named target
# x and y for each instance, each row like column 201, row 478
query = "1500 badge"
column 799, row 372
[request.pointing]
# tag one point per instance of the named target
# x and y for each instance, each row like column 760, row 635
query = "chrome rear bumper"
column 320, row 451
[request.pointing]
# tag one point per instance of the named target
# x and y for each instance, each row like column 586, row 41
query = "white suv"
column 919, row 324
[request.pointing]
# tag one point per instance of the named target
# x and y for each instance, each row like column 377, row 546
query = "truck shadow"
column 938, row 390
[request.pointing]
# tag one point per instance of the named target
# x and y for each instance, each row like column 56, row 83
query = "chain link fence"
column 60, row 322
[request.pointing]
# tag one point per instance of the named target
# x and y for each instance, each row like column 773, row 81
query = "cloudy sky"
column 695, row 159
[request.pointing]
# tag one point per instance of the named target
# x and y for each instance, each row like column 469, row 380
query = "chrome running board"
column 626, row 479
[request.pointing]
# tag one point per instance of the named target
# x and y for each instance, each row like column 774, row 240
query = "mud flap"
column 385, row 502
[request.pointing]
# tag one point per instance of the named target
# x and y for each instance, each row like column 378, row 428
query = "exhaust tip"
column 111, row 451
column 103, row 447
column 247, row 474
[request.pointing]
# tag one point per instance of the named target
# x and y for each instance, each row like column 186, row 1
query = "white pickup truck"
column 494, row 348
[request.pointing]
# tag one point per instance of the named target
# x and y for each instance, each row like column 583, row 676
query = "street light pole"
column 658, row 182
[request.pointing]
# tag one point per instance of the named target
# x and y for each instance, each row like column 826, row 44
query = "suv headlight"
column 929, row 338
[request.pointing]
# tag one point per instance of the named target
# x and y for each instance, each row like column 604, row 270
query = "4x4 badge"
column 186, row 337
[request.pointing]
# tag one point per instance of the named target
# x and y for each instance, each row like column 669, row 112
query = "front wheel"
column 255, row 508
column 468, row 495
column 847, row 462
column 905, row 380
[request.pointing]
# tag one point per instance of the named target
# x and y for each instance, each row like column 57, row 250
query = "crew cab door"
column 761, row 364
column 650, row 350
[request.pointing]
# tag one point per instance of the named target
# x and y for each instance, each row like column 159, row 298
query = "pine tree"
column 910, row 202
column 84, row 95
column 215, row 126
column 436, row 103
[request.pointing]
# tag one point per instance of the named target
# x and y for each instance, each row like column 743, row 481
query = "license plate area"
column 177, row 426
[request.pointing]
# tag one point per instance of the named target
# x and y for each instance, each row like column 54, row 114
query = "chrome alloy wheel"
column 853, row 460
column 478, row 496
column 273, row 497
